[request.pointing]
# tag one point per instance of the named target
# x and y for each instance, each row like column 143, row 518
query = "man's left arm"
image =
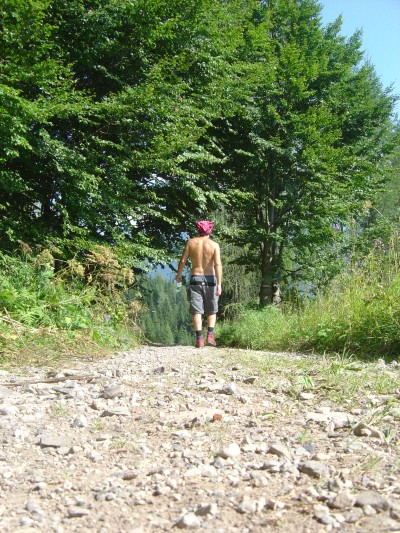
column 218, row 269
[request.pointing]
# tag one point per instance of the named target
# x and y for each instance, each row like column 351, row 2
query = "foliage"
column 359, row 313
column 103, row 106
column 165, row 316
column 44, row 310
column 304, row 145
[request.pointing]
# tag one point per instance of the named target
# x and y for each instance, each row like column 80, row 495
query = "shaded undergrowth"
column 49, row 313
column 358, row 313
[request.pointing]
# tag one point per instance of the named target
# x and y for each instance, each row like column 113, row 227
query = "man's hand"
column 178, row 279
column 219, row 290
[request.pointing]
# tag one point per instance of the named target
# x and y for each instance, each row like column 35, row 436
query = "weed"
column 357, row 315
column 97, row 425
column 303, row 436
column 388, row 435
column 370, row 463
column 60, row 409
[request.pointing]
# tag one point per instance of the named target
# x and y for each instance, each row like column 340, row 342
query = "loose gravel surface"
column 165, row 438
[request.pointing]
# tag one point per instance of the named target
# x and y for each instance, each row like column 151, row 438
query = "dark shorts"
column 202, row 295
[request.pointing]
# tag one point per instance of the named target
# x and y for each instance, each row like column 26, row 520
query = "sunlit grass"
column 358, row 314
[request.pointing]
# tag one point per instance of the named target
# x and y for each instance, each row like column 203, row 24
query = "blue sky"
column 380, row 22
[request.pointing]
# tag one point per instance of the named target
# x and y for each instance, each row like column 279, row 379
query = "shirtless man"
column 205, row 280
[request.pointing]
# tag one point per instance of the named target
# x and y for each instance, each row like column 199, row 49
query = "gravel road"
column 160, row 438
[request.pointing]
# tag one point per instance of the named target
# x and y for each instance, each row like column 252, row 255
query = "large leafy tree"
column 105, row 102
column 304, row 144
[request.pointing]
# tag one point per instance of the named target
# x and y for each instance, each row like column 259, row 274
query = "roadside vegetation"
column 358, row 313
column 52, row 310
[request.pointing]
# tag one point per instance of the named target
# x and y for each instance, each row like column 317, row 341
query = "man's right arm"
column 218, row 268
column 182, row 263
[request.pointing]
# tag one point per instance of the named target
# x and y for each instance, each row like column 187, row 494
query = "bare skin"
column 205, row 257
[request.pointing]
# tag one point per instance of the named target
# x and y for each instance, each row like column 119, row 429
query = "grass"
column 338, row 378
column 359, row 313
column 47, row 315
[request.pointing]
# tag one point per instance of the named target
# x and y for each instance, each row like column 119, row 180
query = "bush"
column 77, row 308
column 359, row 313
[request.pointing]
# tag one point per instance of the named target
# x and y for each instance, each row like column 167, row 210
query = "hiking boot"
column 211, row 340
column 200, row 342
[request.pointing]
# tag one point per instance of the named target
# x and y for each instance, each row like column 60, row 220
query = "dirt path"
column 165, row 437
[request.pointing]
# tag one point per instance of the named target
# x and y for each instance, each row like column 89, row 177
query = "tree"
column 304, row 144
column 111, row 99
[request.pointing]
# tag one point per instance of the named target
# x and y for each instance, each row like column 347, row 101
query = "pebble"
column 230, row 451
column 314, row 469
column 8, row 410
column 364, row 430
column 188, row 521
column 373, row 499
column 55, row 441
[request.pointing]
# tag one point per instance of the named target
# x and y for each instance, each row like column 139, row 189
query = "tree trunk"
column 269, row 289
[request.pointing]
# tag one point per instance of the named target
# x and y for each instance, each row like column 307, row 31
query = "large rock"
column 372, row 498
column 314, row 469
column 55, row 441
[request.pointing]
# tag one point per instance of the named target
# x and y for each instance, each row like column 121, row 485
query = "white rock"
column 188, row 521
column 230, row 451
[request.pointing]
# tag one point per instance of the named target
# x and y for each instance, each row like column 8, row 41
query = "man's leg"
column 211, row 320
column 198, row 328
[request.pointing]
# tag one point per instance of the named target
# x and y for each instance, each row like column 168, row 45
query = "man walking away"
column 205, row 280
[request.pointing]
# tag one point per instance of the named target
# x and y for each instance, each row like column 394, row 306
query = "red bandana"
column 205, row 227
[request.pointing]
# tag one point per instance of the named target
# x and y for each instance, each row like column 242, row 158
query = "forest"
column 125, row 121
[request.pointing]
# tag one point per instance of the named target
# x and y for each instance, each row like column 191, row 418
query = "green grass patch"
column 359, row 313
column 47, row 315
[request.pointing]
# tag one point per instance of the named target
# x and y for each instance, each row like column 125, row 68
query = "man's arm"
column 218, row 268
column 182, row 263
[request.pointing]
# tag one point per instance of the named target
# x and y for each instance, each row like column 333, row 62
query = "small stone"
column 306, row 396
column 280, row 450
column 80, row 422
column 159, row 370
column 249, row 506
column 368, row 510
column 372, row 498
column 111, row 392
column 250, row 380
column 77, row 512
column 6, row 392
column 272, row 466
column 230, row 451
column 26, row 522
column 364, row 430
column 63, row 450
column 204, row 510
column 8, row 410
column 342, row 500
column 33, row 507
column 188, row 521
column 327, row 520
column 129, row 474
column 353, row 516
column 230, row 389
column 95, row 456
column 314, row 469
column 320, row 510
column 118, row 410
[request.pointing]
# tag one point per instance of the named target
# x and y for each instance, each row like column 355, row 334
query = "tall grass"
column 48, row 313
column 359, row 313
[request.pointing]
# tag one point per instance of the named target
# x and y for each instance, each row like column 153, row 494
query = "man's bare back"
column 205, row 258
column 202, row 253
